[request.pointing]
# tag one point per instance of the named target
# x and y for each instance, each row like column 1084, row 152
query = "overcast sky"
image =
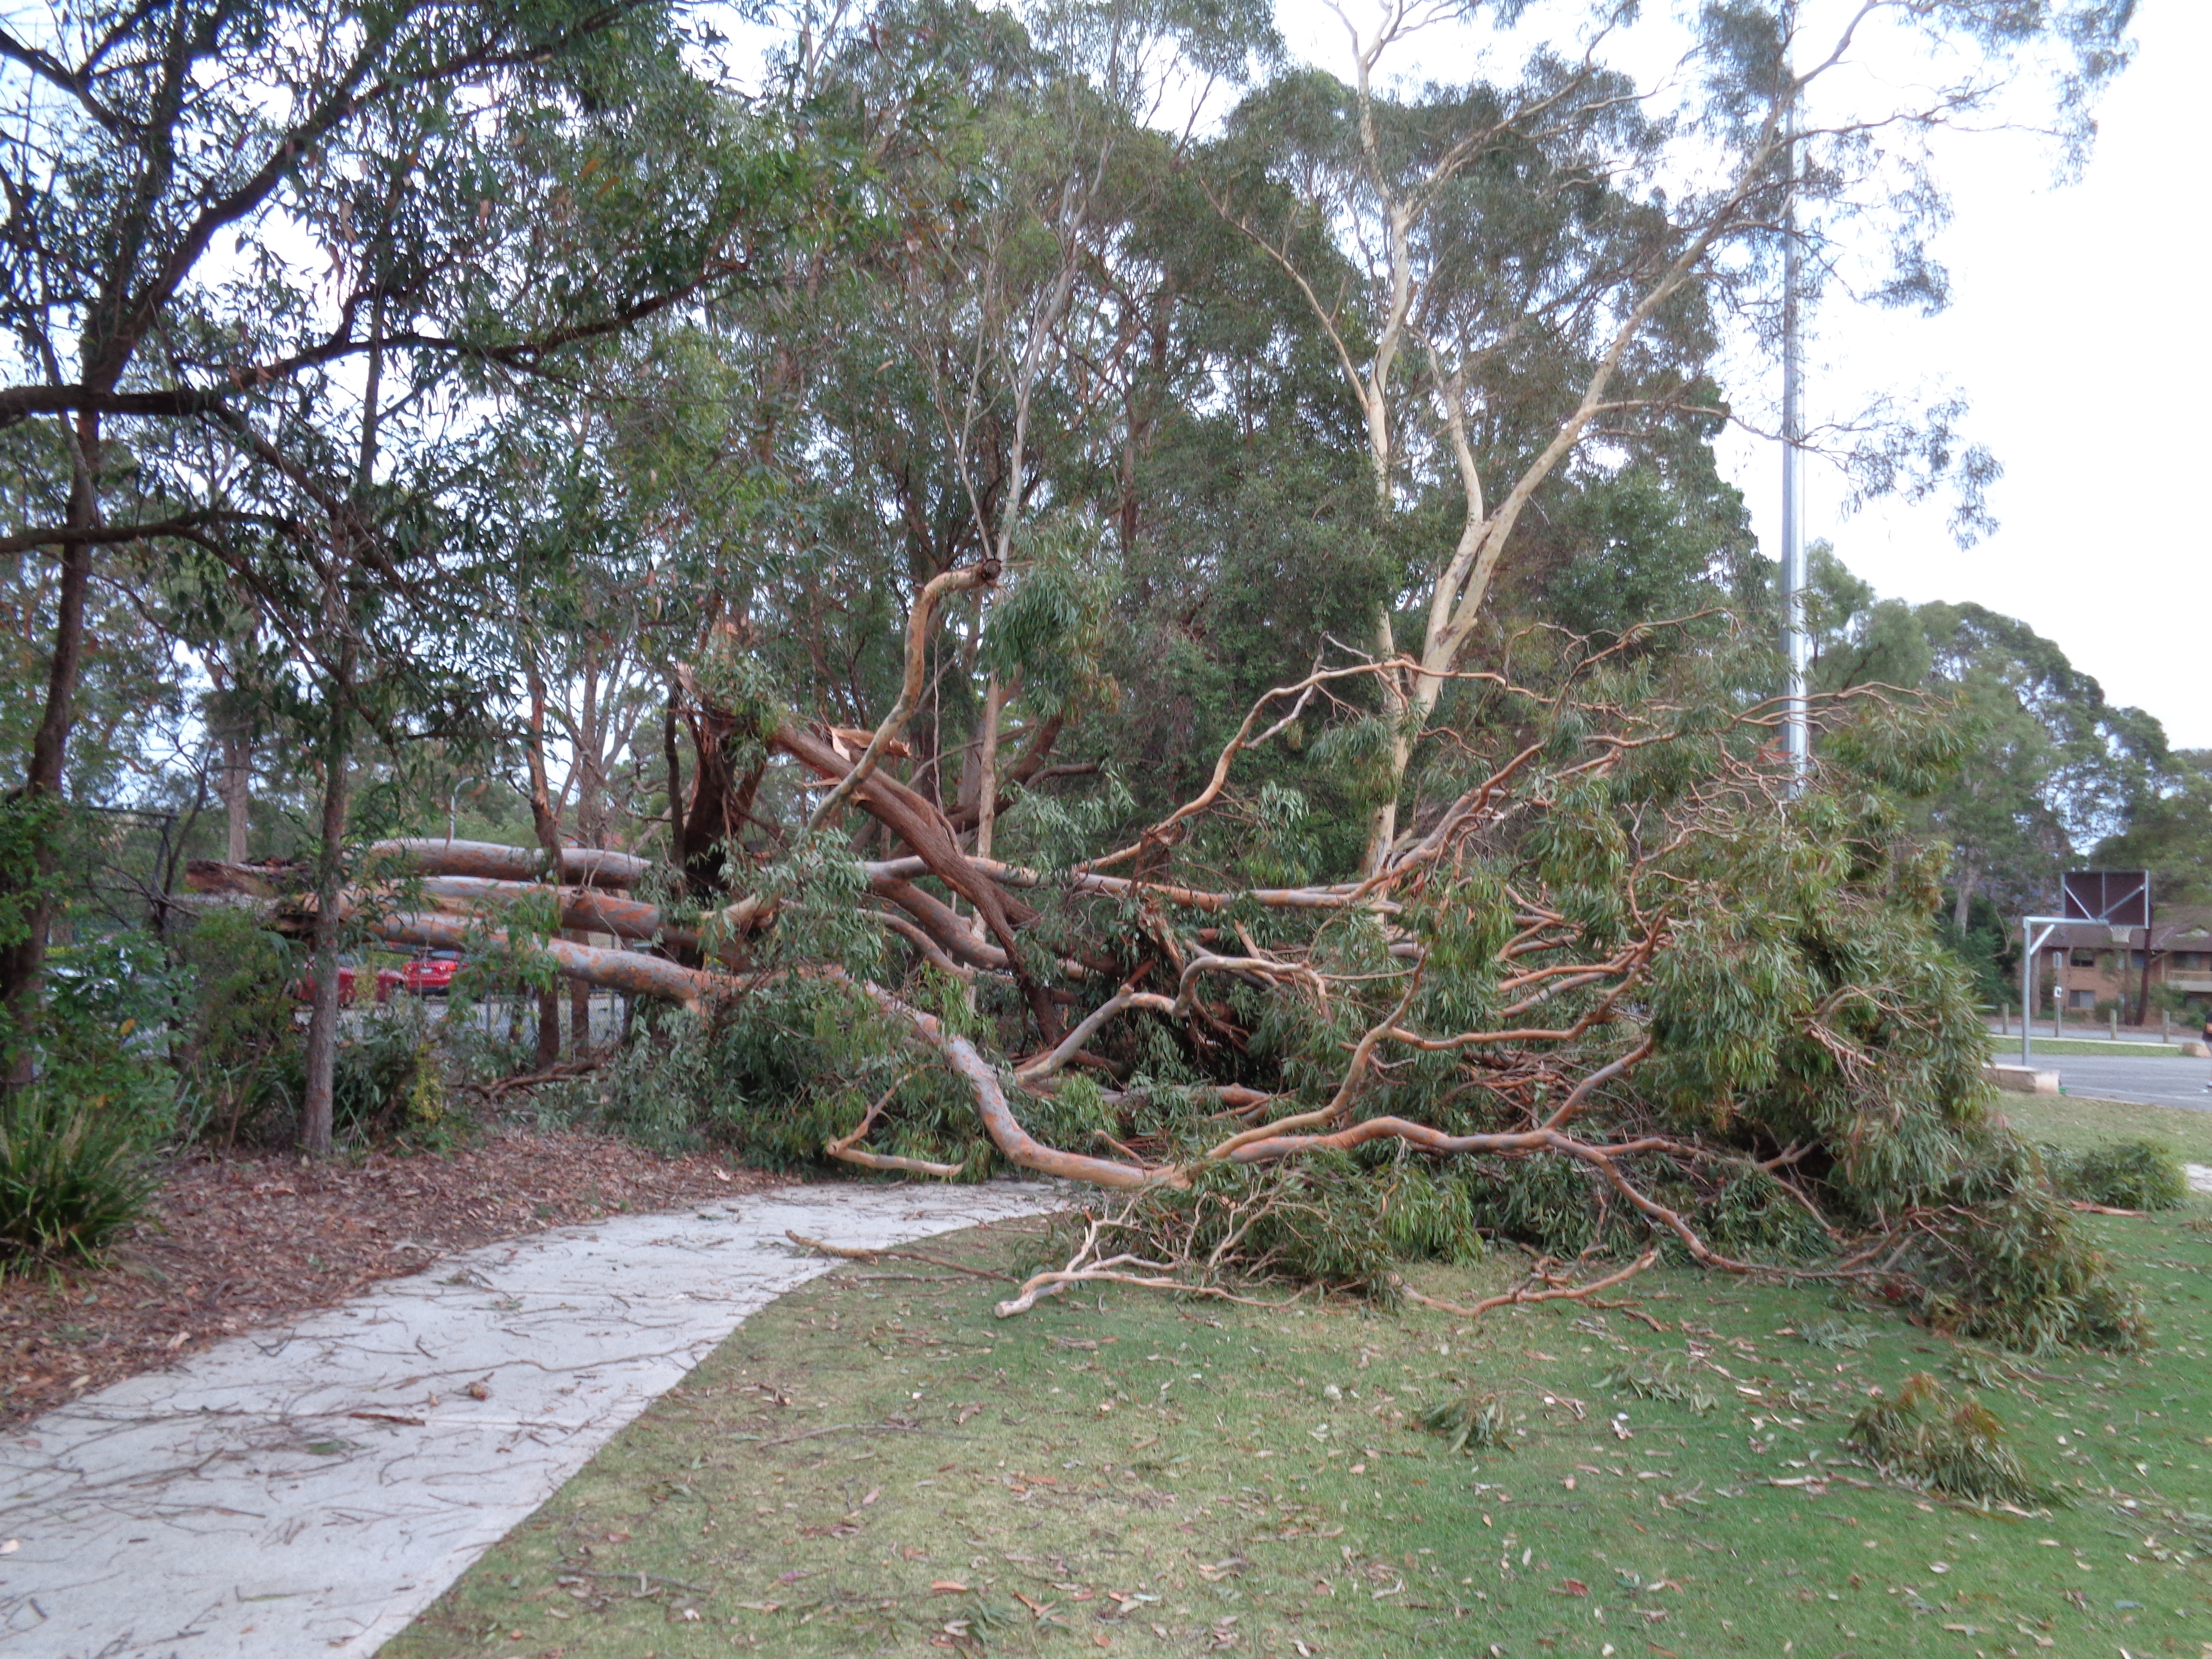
column 2076, row 329
column 2075, row 334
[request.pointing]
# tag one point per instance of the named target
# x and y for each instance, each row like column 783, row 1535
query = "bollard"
column 2115, row 1019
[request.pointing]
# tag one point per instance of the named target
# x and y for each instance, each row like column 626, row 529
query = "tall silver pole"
column 1797, row 736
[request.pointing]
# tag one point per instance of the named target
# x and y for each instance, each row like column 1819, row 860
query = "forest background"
column 507, row 422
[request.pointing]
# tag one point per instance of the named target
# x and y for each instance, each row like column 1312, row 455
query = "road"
column 2154, row 1080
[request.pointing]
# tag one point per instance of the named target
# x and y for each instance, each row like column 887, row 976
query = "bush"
column 237, row 1025
column 388, row 1084
column 2129, row 1173
column 73, row 1174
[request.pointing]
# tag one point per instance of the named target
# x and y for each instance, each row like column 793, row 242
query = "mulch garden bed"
column 234, row 1243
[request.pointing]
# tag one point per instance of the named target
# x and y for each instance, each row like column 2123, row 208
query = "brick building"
column 2091, row 970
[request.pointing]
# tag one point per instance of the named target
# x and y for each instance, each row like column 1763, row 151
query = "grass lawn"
column 2076, row 1122
column 875, row 1464
column 2006, row 1049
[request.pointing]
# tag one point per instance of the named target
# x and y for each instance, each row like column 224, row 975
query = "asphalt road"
column 2154, row 1080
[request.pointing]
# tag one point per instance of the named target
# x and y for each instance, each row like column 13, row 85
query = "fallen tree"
column 1610, row 994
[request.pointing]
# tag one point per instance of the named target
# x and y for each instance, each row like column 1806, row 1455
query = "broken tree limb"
column 1038, row 1070
column 589, row 910
column 585, row 909
column 980, row 574
column 845, row 1254
column 845, row 1149
column 1537, row 1289
column 1019, row 1146
column 591, row 866
column 922, row 824
column 632, row 971
column 1332, row 896
column 940, row 920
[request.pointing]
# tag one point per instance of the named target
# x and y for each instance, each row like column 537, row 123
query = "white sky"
column 2070, row 329
column 2062, row 334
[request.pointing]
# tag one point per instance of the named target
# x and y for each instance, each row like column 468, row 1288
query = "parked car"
column 430, row 974
column 387, row 980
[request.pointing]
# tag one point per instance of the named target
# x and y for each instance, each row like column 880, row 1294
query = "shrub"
column 386, row 1085
column 2129, row 1173
column 237, row 1025
column 73, row 1174
column 1928, row 1436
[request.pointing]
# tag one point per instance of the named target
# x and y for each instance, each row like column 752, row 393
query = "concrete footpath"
column 309, row 1489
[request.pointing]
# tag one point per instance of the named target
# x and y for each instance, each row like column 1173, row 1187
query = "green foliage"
column 2007, row 1264
column 1470, row 1422
column 2132, row 1173
column 1320, row 1221
column 1754, row 1215
column 1643, row 1380
column 2167, row 830
column 388, row 1082
column 1834, row 1335
column 74, row 1174
column 238, row 1020
column 103, row 1036
column 795, row 1064
column 1544, row 1200
column 1955, row 1446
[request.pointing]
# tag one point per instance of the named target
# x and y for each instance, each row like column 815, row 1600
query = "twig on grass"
column 1087, row 1267
column 847, row 1253
column 1526, row 1292
column 643, row 1579
column 838, row 1428
column 1633, row 1312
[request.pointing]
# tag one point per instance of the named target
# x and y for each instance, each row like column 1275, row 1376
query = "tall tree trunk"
column 22, row 966
column 1962, row 908
column 237, row 790
column 590, row 829
column 548, row 837
column 348, row 531
column 316, row 1107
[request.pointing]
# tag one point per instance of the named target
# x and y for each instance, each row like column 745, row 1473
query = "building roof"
column 2175, row 927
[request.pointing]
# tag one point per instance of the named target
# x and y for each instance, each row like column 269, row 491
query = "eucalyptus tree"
column 1544, row 266
column 935, row 384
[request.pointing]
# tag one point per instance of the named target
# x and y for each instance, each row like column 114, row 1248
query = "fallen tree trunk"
column 584, row 909
column 633, row 971
column 922, row 825
column 588, row 866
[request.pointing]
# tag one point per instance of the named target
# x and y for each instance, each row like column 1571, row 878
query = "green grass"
column 2078, row 1122
column 1169, row 1477
column 2006, row 1051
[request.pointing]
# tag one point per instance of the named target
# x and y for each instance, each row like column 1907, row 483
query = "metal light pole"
column 1797, row 735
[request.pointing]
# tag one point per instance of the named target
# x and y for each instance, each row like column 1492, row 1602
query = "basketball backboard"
column 2119, row 899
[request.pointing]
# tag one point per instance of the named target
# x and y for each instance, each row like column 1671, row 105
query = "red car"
column 430, row 974
column 388, row 980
